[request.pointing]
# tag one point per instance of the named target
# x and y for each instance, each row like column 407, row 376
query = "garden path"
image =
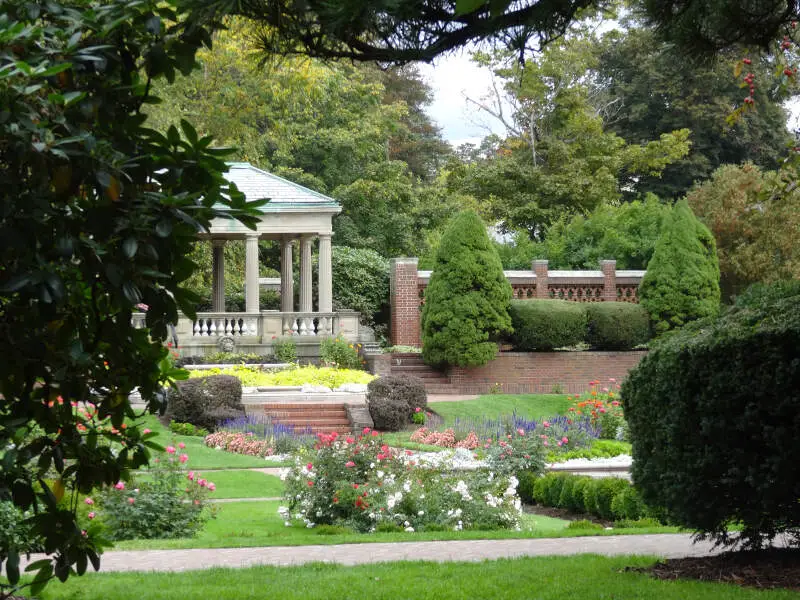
column 663, row 545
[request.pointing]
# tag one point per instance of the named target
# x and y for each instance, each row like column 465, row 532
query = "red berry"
column 746, row 61
column 788, row 72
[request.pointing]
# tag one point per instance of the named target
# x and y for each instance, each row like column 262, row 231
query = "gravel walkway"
column 664, row 545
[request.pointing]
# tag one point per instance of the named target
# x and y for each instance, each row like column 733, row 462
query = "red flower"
column 310, row 483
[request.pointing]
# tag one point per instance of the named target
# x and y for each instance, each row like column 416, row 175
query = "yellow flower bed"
column 327, row 376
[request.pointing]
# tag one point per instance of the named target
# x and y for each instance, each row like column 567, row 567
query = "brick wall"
column 404, row 298
column 606, row 285
column 540, row 372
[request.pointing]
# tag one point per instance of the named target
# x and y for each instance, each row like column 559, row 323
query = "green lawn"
column 544, row 578
column 200, row 455
column 530, row 406
column 244, row 484
column 247, row 524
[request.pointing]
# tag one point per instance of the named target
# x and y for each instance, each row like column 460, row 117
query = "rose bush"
column 167, row 501
column 360, row 483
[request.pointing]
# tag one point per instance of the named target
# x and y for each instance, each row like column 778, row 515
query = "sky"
column 453, row 77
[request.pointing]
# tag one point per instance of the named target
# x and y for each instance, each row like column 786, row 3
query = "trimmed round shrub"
column 466, row 302
column 617, row 325
column 547, row 324
column 714, row 416
column 527, row 481
column 576, row 502
column 205, row 401
column 628, row 505
column 393, row 400
column 606, row 489
column 389, row 414
column 682, row 279
column 406, row 388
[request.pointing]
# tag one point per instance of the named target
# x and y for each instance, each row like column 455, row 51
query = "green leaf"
column 132, row 292
column 129, row 247
column 73, row 97
column 163, row 228
column 54, row 70
column 12, row 566
column 42, row 577
column 189, row 132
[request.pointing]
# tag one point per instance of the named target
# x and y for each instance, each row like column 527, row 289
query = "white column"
column 251, row 273
column 305, row 274
column 325, row 274
column 287, row 276
column 218, row 275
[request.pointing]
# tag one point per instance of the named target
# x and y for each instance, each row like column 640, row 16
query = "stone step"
column 341, row 430
column 303, row 405
column 318, row 412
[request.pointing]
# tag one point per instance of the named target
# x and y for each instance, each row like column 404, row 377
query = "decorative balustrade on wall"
column 604, row 285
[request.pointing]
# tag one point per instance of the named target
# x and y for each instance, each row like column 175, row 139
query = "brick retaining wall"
column 540, row 372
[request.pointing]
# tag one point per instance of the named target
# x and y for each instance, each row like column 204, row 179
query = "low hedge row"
column 608, row 498
column 549, row 324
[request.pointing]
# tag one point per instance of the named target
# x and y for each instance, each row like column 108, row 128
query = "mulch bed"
column 766, row 569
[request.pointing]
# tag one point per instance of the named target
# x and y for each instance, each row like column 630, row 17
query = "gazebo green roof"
column 257, row 184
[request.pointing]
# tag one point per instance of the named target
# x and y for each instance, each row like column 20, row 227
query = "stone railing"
column 225, row 324
column 604, row 285
column 309, row 323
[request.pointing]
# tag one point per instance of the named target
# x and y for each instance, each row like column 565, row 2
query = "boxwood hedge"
column 617, row 325
column 714, row 414
column 547, row 324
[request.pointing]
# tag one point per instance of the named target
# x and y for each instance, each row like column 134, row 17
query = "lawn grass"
column 244, row 484
column 200, row 455
column 493, row 406
column 542, row 578
column 248, row 524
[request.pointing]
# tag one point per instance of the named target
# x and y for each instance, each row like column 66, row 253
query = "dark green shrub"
column 553, row 494
column 541, row 489
column 204, row 401
column 617, row 325
column 360, row 282
column 547, row 324
column 467, row 299
column 389, row 414
column 628, row 504
column 234, row 358
column 187, row 429
column 682, row 279
column 527, row 481
column 15, row 535
column 576, row 502
column 607, row 489
column 406, row 388
column 722, row 443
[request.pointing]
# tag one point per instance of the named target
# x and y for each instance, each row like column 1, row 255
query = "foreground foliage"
column 97, row 215
column 713, row 413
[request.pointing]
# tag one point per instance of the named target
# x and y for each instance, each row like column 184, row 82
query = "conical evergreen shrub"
column 467, row 298
column 682, row 280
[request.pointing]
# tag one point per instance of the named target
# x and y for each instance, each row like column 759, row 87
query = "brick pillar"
column 540, row 269
column 404, row 296
column 609, row 268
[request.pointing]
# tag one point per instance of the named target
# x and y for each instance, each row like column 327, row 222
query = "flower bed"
column 559, row 434
column 604, row 409
column 363, row 484
column 307, row 375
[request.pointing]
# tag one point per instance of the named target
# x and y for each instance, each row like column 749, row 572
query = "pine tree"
column 467, row 299
column 682, row 280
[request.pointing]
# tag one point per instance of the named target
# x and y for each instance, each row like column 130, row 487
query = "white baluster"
column 303, row 326
column 295, row 327
column 227, row 326
column 196, row 328
column 212, row 327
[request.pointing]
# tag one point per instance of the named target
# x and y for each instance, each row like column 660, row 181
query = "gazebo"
column 295, row 216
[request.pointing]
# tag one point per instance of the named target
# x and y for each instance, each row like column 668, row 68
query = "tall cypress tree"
column 467, row 299
column 682, row 280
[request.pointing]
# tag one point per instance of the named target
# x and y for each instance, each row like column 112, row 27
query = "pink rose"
column 181, row 445
column 211, row 487
column 170, row 449
column 183, row 458
column 349, row 464
column 520, row 431
column 418, row 409
column 91, row 515
column 89, row 501
column 191, row 475
column 146, row 431
column 131, row 500
column 120, row 485
column 309, row 466
column 565, row 440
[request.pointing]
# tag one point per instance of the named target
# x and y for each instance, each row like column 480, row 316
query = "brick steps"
column 435, row 381
column 317, row 417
